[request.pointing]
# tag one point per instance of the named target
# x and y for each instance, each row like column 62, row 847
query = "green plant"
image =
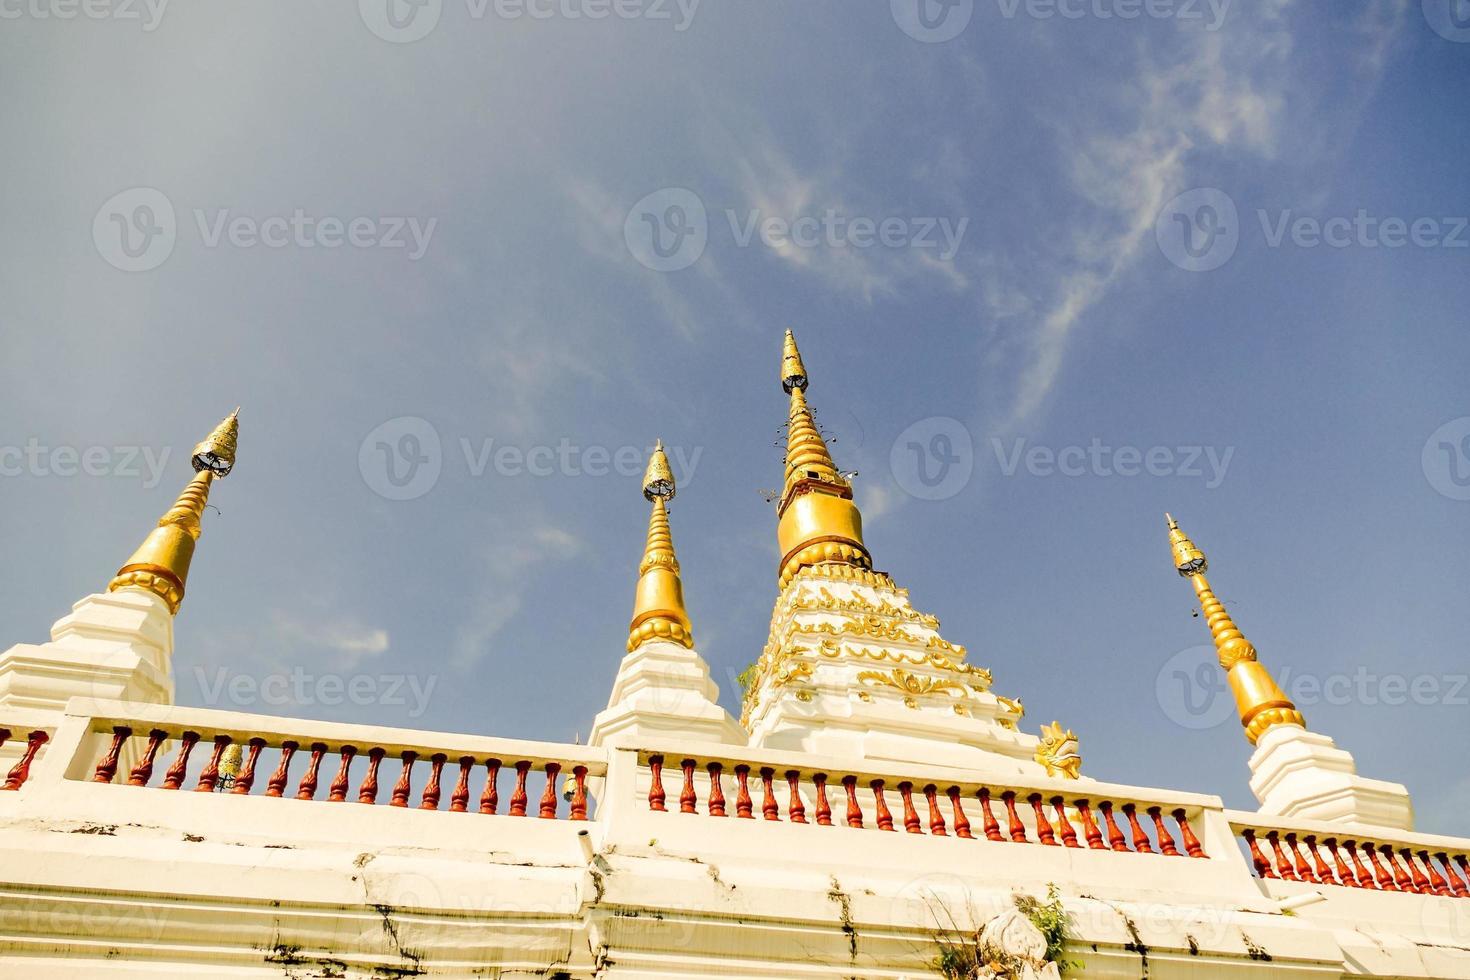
column 1050, row 918
column 747, row 679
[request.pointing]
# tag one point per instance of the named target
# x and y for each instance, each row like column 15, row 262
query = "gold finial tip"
column 1173, row 524
column 217, row 452
column 793, row 371
column 658, row 479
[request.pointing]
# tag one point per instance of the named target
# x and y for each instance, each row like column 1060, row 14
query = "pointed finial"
column 1258, row 698
column 658, row 604
column 793, row 372
column 161, row 563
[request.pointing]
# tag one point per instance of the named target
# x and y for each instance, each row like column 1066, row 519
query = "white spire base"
column 664, row 689
column 1297, row 773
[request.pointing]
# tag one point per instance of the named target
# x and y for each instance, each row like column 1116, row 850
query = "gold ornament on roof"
column 658, row 606
column 161, row 563
column 1261, row 703
column 912, row 684
column 1058, row 752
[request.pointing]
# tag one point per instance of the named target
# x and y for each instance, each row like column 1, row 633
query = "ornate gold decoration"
column 658, row 606
column 1058, row 752
column 1258, row 698
column 824, row 601
column 161, row 563
column 846, row 573
column 1013, row 705
column 818, row 522
column 909, row 683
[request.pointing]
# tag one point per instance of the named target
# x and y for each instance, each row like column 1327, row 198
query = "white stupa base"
column 664, row 689
column 1297, row 773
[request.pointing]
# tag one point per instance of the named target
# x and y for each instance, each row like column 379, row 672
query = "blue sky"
column 1299, row 405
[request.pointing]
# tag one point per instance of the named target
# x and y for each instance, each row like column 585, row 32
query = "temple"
column 878, row 810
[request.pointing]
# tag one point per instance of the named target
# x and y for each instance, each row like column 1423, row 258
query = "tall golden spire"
column 1261, row 702
column 161, row 563
column 818, row 520
column 658, row 606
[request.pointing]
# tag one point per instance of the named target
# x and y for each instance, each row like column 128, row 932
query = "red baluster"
column 688, row 799
column 1064, row 826
column 1263, row 866
column 1437, row 884
column 1167, row 847
column 246, row 779
column 209, row 777
column 459, row 800
column 1380, row 875
column 1303, row 869
column 1283, row 866
column 1186, row 833
column 21, row 771
column 277, row 784
column 579, row 793
column 1089, row 826
column 307, row 789
column 368, row 791
column 1400, row 876
column 1014, row 825
column 910, row 815
column 404, row 785
column 1344, row 873
column 884, row 818
column 824, row 808
column 854, row 812
column 796, row 809
column 1324, row 873
column 1116, row 840
column 337, row 792
column 143, row 771
column 1364, row 876
column 1421, row 883
column 1043, row 825
column 174, row 778
column 744, row 809
column 518, row 798
column 107, row 767
column 716, row 804
column 1456, row 885
column 992, row 826
column 1464, row 869
column 936, row 819
column 1140, row 839
column 961, row 822
column 433, row 788
column 769, row 809
column 490, row 799
column 548, row 798
column 656, row 794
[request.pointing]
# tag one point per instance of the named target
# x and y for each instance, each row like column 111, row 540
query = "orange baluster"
column 796, row 809
column 107, row 767
column 1263, row 866
column 246, row 779
column 1421, row 883
column 1191, row 843
column 1140, row 839
column 992, row 826
column 910, row 815
column 1464, row 867
column 1380, row 875
column 307, row 789
column 1303, row 869
column 548, row 798
column 656, row 794
column 936, row 819
column 961, row 822
column 368, row 791
column 143, row 771
column 688, row 800
column 174, row 778
column 579, row 793
column 1043, row 825
column 1167, row 846
column 744, row 809
column 1283, row 866
column 1089, row 827
column 1344, row 873
column 1436, row 884
column 518, row 797
column 769, row 809
column 884, row 818
column 1116, row 840
column 1064, row 826
column 824, row 808
column 1456, row 885
column 1400, row 876
column 490, row 798
column 337, row 792
column 716, row 806
column 854, row 812
column 277, row 784
column 21, row 771
column 209, row 777
column 1324, row 873
column 1016, row 828
column 405, row 775
column 433, row 788
column 1364, row 876
column 459, row 800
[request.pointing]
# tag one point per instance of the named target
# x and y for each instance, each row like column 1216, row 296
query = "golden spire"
column 658, row 606
column 818, row 520
column 1261, row 702
column 161, row 563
